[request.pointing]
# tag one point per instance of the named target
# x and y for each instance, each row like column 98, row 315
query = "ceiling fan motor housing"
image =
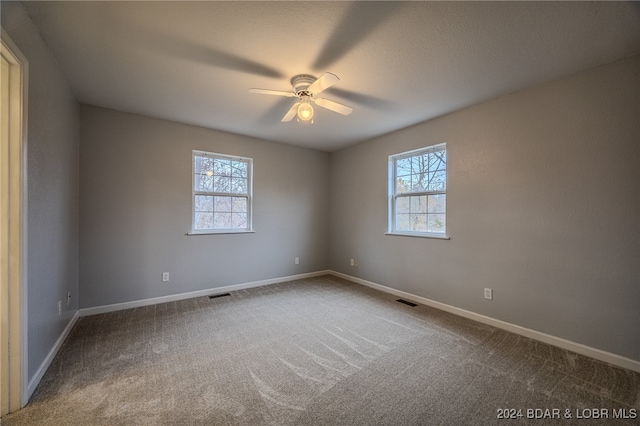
column 305, row 88
column 301, row 82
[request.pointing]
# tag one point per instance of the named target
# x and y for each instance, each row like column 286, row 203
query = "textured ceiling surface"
column 399, row 63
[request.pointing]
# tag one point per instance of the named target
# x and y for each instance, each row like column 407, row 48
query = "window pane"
column 238, row 185
column 239, row 220
column 431, row 162
column 419, row 182
column 203, row 183
column 418, row 222
column 202, row 165
column 222, row 167
column 423, row 172
column 436, row 223
column 403, row 205
column 441, row 156
column 221, row 183
column 403, row 184
column 437, row 181
column 204, row 221
column 204, row 203
column 222, row 220
column 437, row 203
column 239, row 204
column 417, row 164
column 403, row 167
column 419, row 204
column 239, row 169
column 403, row 222
column 222, row 204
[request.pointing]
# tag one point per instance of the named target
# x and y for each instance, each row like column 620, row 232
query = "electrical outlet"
column 165, row 276
column 59, row 307
column 488, row 293
column 353, row 262
column 68, row 298
column 296, row 260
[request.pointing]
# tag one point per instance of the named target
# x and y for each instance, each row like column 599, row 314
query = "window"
column 418, row 192
column 221, row 193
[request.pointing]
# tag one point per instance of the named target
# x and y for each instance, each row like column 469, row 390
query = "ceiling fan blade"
column 325, row 81
column 358, row 23
column 291, row 113
column 362, row 99
column 333, row 106
column 273, row 92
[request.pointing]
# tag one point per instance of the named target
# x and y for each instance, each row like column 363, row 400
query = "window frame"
column 393, row 195
column 249, row 194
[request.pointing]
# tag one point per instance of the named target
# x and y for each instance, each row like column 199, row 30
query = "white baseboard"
column 199, row 293
column 598, row 354
column 35, row 380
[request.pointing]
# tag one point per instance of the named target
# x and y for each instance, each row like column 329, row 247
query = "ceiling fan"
column 305, row 88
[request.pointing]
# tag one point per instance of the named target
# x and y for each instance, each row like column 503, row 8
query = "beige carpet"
column 320, row 351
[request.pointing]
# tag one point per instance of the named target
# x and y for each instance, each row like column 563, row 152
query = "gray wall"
column 543, row 207
column 135, row 194
column 52, row 167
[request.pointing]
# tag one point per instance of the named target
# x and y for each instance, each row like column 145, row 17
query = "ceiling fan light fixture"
column 305, row 111
column 305, row 88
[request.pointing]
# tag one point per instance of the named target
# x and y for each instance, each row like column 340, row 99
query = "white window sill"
column 420, row 235
column 224, row 231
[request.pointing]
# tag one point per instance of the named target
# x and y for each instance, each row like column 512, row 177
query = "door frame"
column 13, row 392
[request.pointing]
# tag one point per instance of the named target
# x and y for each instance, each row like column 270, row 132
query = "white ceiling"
column 399, row 63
